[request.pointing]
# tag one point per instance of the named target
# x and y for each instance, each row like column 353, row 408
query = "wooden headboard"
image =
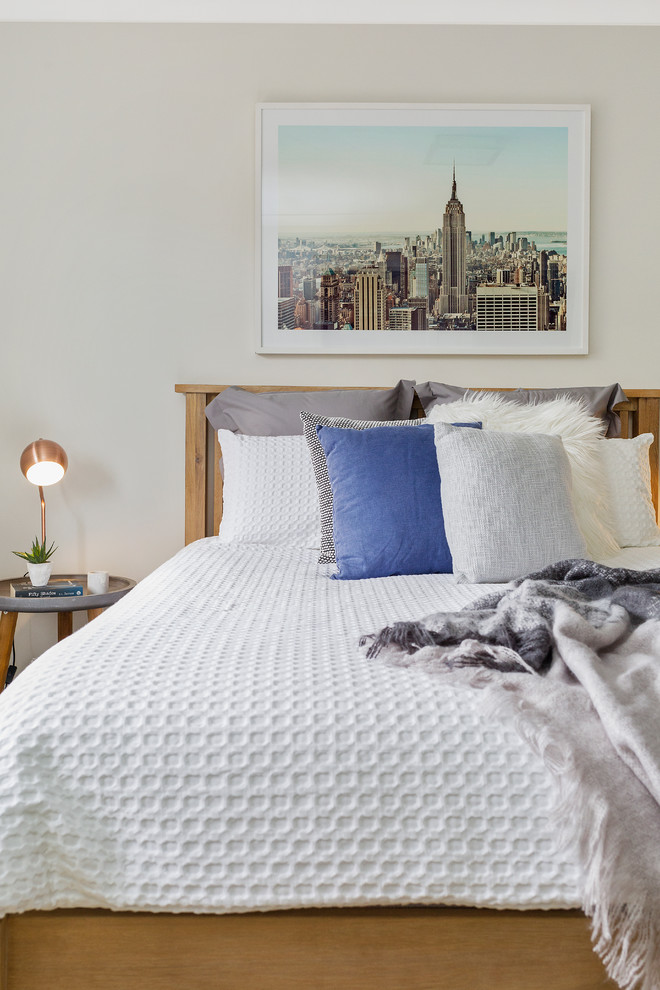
column 640, row 414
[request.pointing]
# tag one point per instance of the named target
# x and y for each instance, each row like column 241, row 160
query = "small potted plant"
column 38, row 561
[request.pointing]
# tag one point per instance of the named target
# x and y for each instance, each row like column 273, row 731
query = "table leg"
column 93, row 613
column 7, row 629
column 64, row 625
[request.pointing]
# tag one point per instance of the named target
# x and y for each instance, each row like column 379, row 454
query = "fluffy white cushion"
column 269, row 491
column 628, row 486
column 581, row 435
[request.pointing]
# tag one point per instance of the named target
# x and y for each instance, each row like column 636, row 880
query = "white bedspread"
column 212, row 744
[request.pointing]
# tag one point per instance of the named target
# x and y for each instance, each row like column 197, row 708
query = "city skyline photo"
column 424, row 228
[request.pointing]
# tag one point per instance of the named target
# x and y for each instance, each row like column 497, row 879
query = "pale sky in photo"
column 394, row 178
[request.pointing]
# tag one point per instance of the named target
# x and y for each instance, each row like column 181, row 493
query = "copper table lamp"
column 44, row 462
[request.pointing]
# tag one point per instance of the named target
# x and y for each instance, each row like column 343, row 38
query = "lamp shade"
column 43, row 462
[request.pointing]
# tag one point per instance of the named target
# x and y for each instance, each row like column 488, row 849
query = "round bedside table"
column 65, row 606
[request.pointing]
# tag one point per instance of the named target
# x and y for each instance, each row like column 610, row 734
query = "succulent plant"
column 38, row 554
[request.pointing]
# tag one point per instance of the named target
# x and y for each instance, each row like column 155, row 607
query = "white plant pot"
column 39, row 573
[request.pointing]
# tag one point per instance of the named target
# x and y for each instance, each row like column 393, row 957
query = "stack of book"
column 54, row 589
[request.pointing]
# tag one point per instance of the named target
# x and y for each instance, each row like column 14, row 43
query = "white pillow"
column 581, row 435
column 628, row 486
column 506, row 501
column 269, row 491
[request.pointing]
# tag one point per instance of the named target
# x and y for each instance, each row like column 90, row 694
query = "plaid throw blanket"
column 586, row 640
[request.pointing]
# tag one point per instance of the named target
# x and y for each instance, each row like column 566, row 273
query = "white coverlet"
column 212, row 744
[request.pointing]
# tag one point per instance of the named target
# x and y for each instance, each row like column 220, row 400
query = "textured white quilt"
column 212, row 744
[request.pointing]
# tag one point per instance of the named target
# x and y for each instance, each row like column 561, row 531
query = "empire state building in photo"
column 453, row 295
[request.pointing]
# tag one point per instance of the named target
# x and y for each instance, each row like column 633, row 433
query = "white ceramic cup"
column 97, row 582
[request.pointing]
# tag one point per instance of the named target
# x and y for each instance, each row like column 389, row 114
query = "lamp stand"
column 43, row 515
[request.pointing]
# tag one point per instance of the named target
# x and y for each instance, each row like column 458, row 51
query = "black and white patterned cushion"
column 310, row 421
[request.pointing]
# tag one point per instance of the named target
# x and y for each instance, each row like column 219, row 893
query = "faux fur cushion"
column 581, row 435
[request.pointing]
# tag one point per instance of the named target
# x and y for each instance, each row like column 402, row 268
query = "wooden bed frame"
column 411, row 948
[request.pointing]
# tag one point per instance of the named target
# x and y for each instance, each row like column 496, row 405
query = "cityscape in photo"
column 447, row 277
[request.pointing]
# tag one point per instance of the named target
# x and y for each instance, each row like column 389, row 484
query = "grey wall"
column 127, row 240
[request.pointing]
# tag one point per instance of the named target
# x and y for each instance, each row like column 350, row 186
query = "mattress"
column 215, row 743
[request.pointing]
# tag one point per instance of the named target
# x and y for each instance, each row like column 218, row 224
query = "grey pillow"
column 277, row 414
column 310, row 421
column 506, row 500
column 599, row 401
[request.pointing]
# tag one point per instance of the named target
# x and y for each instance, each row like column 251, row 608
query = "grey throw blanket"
column 593, row 634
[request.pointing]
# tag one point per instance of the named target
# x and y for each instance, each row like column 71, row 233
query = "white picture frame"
column 333, row 177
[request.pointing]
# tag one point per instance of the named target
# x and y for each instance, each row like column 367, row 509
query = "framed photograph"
column 422, row 229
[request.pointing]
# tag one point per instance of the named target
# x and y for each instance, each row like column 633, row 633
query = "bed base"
column 340, row 949
column 429, row 948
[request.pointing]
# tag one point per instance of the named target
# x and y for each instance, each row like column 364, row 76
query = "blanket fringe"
column 405, row 643
column 405, row 636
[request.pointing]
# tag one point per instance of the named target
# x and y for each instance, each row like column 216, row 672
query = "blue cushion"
column 387, row 509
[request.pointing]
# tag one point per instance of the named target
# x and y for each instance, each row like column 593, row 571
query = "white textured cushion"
column 269, row 491
column 507, row 503
column 581, row 435
column 628, row 486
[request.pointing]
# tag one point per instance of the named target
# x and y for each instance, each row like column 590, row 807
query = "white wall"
column 126, row 240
